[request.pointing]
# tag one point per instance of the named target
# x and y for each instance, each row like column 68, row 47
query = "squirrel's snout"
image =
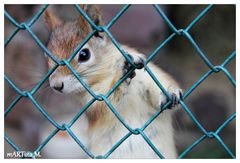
column 58, row 86
column 63, row 84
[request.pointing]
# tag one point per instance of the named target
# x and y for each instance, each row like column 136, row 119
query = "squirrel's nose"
column 58, row 86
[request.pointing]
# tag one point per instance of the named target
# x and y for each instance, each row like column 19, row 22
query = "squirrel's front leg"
column 172, row 88
column 157, row 99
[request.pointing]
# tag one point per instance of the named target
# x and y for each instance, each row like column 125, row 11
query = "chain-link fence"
column 104, row 97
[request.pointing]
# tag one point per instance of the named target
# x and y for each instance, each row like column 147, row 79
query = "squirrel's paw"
column 176, row 95
column 138, row 61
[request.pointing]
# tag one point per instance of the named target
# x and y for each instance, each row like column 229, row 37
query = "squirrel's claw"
column 176, row 95
column 138, row 61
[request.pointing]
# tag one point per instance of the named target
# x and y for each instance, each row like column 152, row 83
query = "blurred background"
column 143, row 28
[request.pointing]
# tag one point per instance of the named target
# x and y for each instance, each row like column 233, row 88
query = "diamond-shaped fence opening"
column 104, row 97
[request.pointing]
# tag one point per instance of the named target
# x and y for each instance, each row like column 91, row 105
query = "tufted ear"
column 94, row 13
column 51, row 20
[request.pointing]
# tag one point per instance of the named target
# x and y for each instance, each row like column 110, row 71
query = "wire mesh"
column 100, row 97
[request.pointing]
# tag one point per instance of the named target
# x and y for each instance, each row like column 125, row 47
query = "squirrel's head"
column 91, row 62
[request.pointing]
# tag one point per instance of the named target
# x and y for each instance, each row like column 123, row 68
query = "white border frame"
column 237, row 2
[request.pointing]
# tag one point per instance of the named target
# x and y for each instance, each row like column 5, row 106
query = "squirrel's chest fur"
column 136, row 109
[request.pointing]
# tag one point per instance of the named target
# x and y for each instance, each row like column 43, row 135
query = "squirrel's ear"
column 95, row 14
column 51, row 20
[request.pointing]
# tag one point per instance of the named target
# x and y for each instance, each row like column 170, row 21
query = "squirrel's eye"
column 84, row 55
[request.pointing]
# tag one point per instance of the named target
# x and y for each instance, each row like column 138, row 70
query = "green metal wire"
column 138, row 131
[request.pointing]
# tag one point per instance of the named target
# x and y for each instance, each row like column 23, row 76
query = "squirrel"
column 100, row 65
